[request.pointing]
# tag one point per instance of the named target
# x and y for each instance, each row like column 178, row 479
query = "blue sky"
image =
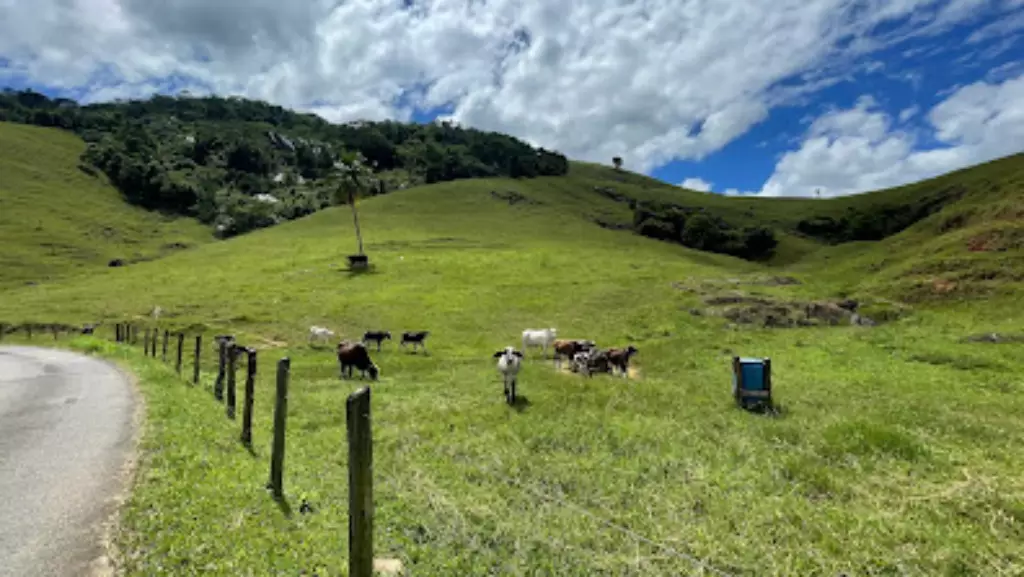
column 785, row 99
column 915, row 75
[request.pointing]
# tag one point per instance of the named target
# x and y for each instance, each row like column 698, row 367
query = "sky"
column 753, row 97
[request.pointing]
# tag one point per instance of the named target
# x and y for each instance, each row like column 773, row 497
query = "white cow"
column 322, row 333
column 539, row 338
column 509, row 361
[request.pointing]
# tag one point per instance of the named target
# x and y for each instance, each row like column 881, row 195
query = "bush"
column 702, row 231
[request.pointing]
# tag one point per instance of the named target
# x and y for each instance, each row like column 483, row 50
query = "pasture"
column 896, row 450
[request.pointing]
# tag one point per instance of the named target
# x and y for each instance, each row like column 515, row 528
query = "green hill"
column 57, row 219
column 896, row 448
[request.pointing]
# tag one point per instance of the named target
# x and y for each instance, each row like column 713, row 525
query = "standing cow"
column 509, row 362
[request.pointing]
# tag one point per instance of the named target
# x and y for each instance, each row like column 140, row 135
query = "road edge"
column 110, row 562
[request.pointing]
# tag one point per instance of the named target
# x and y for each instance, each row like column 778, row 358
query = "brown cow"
column 569, row 347
column 354, row 355
column 619, row 358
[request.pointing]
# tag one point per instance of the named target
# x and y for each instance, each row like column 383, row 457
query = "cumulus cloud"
column 694, row 183
column 858, row 149
column 649, row 81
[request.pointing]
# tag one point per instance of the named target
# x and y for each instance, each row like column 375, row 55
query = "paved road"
column 65, row 435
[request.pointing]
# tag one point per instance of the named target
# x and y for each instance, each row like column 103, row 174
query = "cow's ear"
column 518, row 354
column 498, row 354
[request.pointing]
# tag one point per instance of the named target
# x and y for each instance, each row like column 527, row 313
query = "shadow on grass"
column 282, row 504
column 772, row 410
column 356, row 272
column 521, row 403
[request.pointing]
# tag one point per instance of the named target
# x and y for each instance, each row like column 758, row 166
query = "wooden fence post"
column 218, row 385
column 280, row 414
column 167, row 335
column 232, row 370
column 181, row 347
column 55, row 330
column 28, row 328
column 145, row 343
column 133, row 334
column 195, row 362
column 250, row 389
column 360, row 484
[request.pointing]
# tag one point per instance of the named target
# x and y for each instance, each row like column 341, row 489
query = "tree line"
column 242, row 164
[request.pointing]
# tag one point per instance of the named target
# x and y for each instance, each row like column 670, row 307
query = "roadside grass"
column 896, row 451
column 56, row 220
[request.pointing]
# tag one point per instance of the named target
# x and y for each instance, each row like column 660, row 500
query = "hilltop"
column 241, row 164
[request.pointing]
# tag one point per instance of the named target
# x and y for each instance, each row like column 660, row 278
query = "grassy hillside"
column 976, row 196
column 896, row 451
column 56, row 220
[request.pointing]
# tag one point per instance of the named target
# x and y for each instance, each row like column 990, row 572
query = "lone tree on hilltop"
column 617, row 161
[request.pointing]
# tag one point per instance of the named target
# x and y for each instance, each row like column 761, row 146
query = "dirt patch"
column 513, row 197
column 265, row 343
column 993, row 338
column 769, row 313
column 777, row 281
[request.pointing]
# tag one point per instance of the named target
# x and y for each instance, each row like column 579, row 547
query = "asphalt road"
column 66, row 426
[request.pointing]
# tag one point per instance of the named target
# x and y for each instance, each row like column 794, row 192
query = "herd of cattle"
column 583, row 355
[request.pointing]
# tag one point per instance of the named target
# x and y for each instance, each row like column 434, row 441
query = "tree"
column 617, row 161
column 354, row 180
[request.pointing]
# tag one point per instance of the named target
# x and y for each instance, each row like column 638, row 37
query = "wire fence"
column 171, row 347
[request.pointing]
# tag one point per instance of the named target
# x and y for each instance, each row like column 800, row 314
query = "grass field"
column 57, row 220
column 896, row 452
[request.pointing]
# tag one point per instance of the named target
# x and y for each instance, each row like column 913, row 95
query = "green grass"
column 57, row 220
column 897, row 449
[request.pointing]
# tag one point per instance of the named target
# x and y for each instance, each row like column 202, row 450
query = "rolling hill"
column 57, row 219
column 895, row 450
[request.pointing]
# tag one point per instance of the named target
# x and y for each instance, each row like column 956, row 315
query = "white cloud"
column 649, row 81
column 856, row 150
column 694, row 183
column 908, row 113
column 1001, row 27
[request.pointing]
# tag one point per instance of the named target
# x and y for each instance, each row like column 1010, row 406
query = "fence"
column 358, row 415
column 358, row 423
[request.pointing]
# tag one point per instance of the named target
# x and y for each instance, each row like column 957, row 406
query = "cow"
column 509, row 362
column 377, row 337
column 416, row 338
column 591, row 361
column 619, row 358
column 355, row 355
column 319, row 333
column 539, row 338
column 568, row 348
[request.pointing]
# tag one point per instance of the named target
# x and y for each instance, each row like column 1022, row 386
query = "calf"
column 354, row 355
column 319, row 333
column 539, row 338
column 568, row 348
column 377, row 337
column 416, row 338
column 619, row 358
column 509, row 361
